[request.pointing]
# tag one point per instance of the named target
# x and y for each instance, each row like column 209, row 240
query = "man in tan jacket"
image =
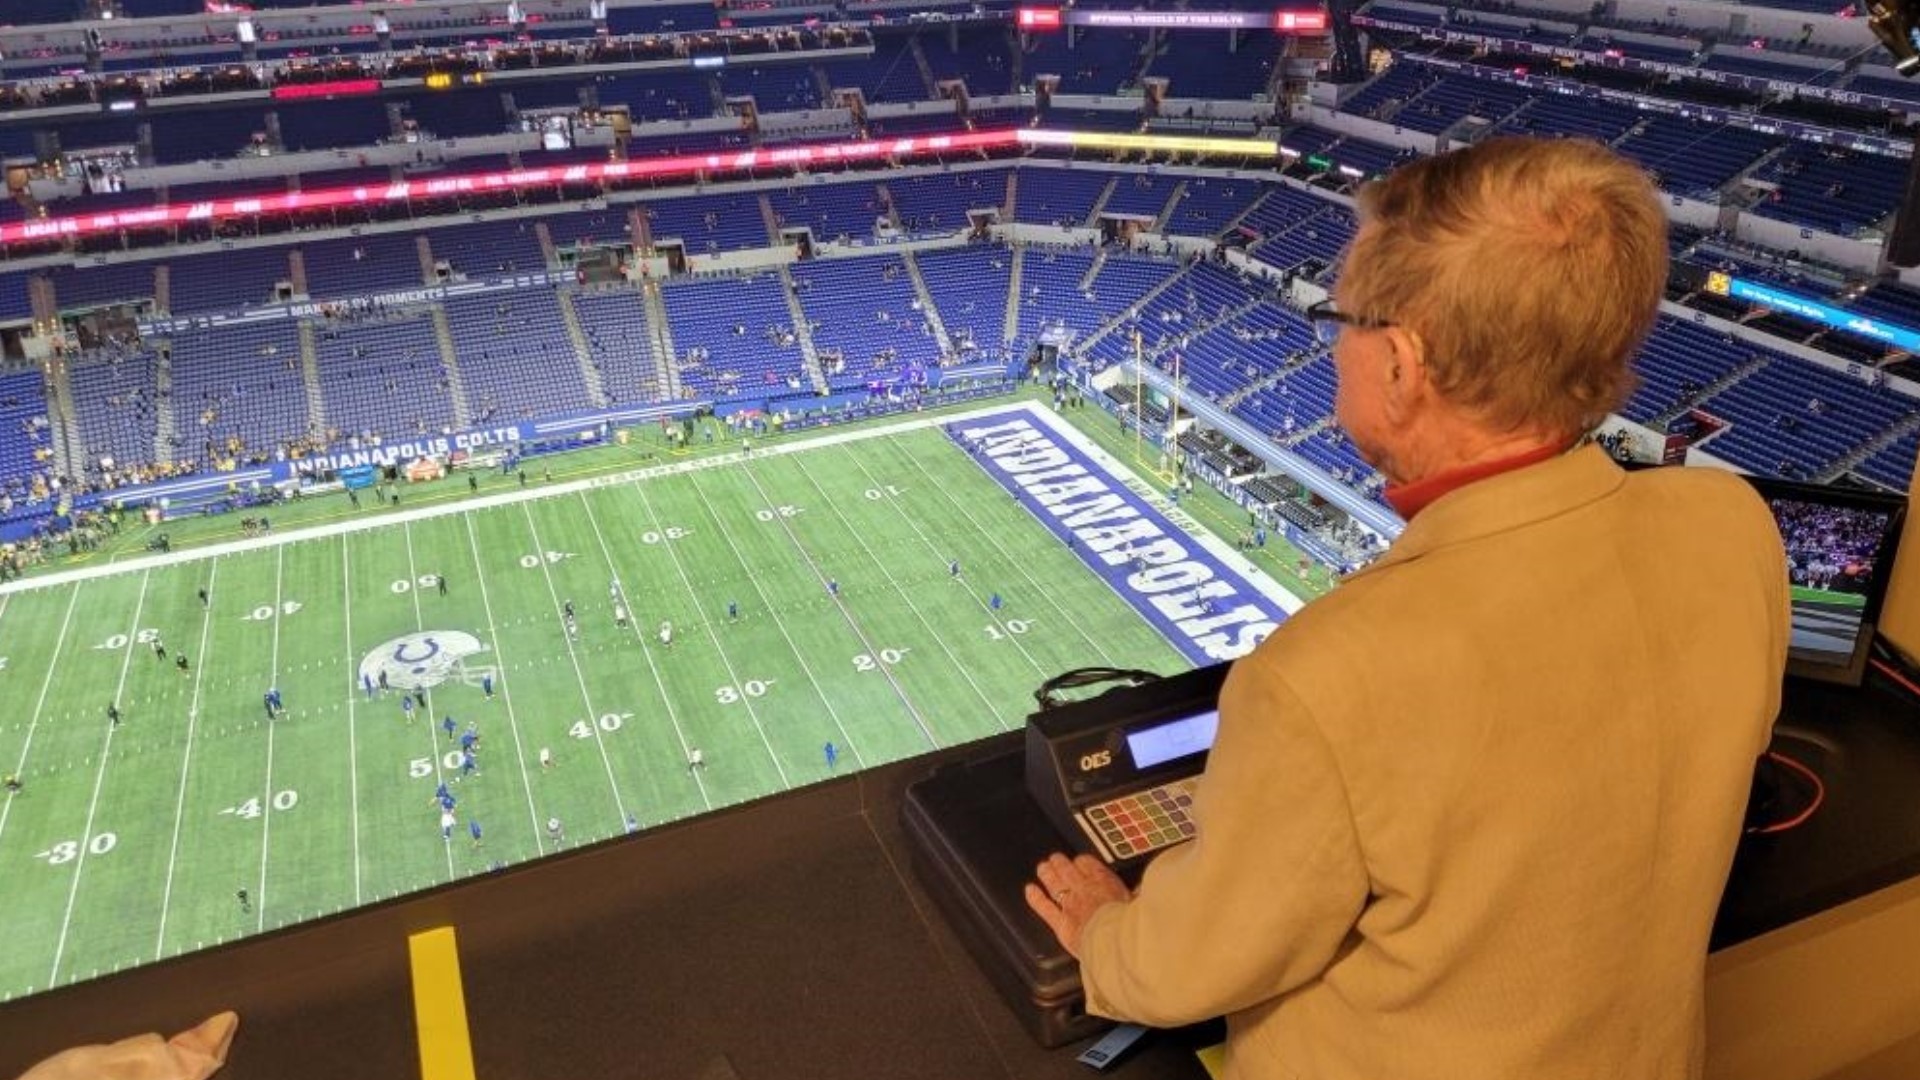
column 1471, row 814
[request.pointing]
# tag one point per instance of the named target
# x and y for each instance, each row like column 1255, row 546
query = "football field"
column 132, row 841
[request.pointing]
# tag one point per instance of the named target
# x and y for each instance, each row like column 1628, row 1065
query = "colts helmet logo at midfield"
column 424, row 660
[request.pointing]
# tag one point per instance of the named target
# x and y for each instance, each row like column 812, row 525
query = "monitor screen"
column 1840, row 546
column 1171, row 740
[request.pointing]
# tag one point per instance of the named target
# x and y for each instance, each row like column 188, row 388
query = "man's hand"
column 1069, row 891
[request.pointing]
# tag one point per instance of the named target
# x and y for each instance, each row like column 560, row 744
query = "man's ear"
column 1406, row 378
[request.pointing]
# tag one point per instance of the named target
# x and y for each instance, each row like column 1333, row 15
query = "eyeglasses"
column 1327, row 321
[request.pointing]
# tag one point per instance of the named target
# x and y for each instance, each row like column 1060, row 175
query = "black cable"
column 1048, row 695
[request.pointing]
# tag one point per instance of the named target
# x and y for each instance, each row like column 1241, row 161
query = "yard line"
column 273, row 680
column 732, row 675
column 898, row 690
column 633, row 623
column 186, row 759
column 919, row 721
column 586, row 696
column 420, row 623
column 1038, row 588
column 506, row 691
column 846, row 739
column 943, row 556
column 907, row 595
column 353, row 699
column 53, row 661
column 99, row 781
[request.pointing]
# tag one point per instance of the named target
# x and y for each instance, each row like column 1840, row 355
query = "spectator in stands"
column 1449, row 825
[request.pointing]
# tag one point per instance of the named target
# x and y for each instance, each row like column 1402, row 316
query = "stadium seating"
column 720, row 329
column 228, row 281
column 1208, row 206
column 514, row 361
column 774, row 87
column 619, row 339
column 320, row 125
column 1140, row 195
column 1063, row 197
column 935, row 203
column 1832, row 189
column 362, row 264
column 23, row 436
column 488, row 249
column 830, row 210
column 866, row 312
column 891, row 74
column 1194, row 68
column 1691, row 157
column 709, row 223
column 1050, row 293
column 981, row 57
column 237, row 388
column 1099, row 61
column 383, row 377
column 75, row 288
column 969, row 288
column 115, row 401
column 1236, row 344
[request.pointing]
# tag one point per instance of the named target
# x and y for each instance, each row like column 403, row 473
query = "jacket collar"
column 1507, row 501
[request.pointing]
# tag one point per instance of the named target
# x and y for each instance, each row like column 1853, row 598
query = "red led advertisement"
column 688, row 165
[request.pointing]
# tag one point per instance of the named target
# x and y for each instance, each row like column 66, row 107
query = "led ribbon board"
column 1851, row 322
column 1167, row 144
column 1306, row 21
column 686, row 165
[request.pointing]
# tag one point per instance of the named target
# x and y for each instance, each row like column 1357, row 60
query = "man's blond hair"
column 1531, row 269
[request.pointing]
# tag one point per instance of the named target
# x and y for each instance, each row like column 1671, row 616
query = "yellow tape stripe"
column 440, row 1006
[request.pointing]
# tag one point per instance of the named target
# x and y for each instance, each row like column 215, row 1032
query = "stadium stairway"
column 640, row 228
column 1084, row 347
column 1099, row 204
column 68, row 455
column 1160, row 223
column 928, row 309
column 589, row 370
column 1706, row 393
column 920, row 61
column 825, row 83
column 297, row 271
column 450, row 364
column 1007, row 208
column 1865, row 450
column 423, row 250
column 802, row 329
column 1011, row 327
column 1227, row 229
column 310, row 377
column 1093, row 270
column 163, row 287
column 540, row 233
column 660, row 341
column 163, row 433
column 769, row 220
column 893, row 208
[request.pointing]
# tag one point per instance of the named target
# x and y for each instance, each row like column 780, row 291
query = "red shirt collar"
column 1410, row 499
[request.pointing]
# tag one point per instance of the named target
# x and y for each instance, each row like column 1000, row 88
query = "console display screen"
column 1172, row 740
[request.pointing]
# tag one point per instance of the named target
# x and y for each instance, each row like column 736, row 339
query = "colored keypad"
column 1144, row 821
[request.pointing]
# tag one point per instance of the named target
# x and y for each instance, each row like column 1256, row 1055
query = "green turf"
column 128, row 844
column 1802, row 594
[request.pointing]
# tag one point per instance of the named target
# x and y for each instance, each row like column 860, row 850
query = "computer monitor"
column 1840, row 547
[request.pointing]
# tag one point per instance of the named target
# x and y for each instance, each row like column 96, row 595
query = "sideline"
column 509, row 498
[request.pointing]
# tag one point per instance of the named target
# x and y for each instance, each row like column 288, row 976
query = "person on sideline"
column 1471, row 814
